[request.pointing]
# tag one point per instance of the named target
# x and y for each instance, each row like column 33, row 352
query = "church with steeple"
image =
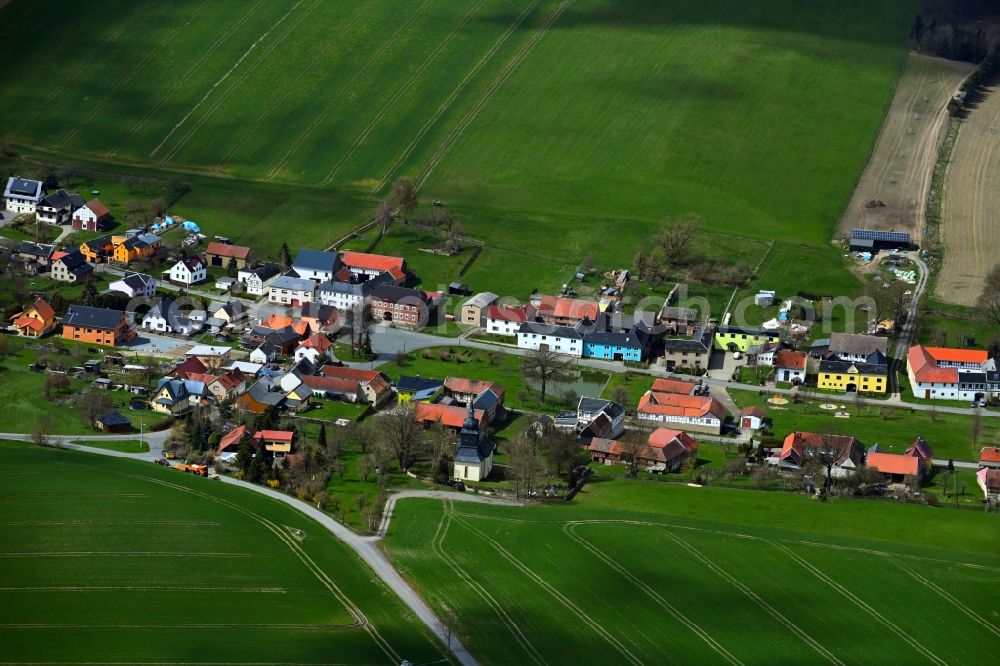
column 474, row 457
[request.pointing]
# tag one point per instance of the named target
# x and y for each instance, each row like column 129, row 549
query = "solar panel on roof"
column 884, row 236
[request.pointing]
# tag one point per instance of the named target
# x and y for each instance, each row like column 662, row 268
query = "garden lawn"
column 893, row 428
column 121, row 445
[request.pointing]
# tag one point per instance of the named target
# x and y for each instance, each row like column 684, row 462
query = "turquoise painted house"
column 612, row 346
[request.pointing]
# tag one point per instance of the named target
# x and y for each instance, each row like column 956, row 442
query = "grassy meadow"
column 550, row 128
column 633, row 571
column 111, row 560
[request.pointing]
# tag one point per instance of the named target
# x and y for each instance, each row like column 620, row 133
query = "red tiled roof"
column 519, row 314
column 57, row 255
column 274, row 435
column 449, row 415
column 920, row 449
column 472, row 386
column 330, row 384
column 29, row 322
column 226, row 250
column 891, row 463
column 925, row 369
column 357, row 374
column 375, row 262
column 752, row 411
column 232, row 438
column 790, row 359
column 317, row 341
column 672, row 404
column 796, row 443
column 990, row 454
column 607, row 446
column 43, row 308
column 663, row 437
column 192, row 365
column 947, row 354
column 231, row 379
column 98, row 208
column 568, row 308
column 679, row 386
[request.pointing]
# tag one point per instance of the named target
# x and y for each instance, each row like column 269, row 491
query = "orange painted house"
column 97, row 326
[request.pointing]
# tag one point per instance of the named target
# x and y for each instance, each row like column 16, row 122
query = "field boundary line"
column 139, row 588
column 472, row 73
column 944, row 594
column 247, row 71
column 569, row 529
column 402, row 90
column 292, row 544
column 860, row 603
column 54, row 93
column 120, row 553
column 756, row 598
column 375, row 57
column 437, row 546
column 138, row 68
column 266, row 113
column 559, row 596
column 191, row 70
column 487, row 94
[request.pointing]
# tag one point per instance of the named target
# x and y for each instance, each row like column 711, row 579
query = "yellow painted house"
column 854, row 376
column 97, row 249
column 129, row 249
column 738, row 338
column 37, row 319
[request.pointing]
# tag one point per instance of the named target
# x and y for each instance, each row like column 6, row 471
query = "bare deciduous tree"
column 632, row 446
column 675, row 235
column 40, row 433
column 401, row 433
column 989, row 300
column 403, row 196
column 523, row 464
column 544, row 366
column 383, row 215
column 92, row 403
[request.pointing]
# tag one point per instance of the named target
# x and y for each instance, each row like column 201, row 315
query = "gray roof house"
column 23, row 194
column 316, row 264
column 84, row 315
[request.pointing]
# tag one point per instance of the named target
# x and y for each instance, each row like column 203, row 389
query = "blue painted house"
column 632, row 345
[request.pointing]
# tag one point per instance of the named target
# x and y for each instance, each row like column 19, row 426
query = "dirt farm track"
column 898, row 173
column 971, row 205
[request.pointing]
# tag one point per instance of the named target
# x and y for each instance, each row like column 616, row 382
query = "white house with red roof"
column 316, row 348
column 942, row 373
column 989, row 456
column 188, row 271
column 506, row 319
column 790, row 366
column 361, row 267
column 92, row 216
column 699, row 413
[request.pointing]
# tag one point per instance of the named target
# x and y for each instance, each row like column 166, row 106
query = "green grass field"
column 117, row 561
column 549, row 127
column 635, row 572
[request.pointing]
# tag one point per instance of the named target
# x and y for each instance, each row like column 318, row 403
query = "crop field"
column 893, row 189
column 641, row 572
column 116, row 561
column 969, row 205
column 546, row 124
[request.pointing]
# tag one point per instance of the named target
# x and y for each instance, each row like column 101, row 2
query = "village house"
column 315, row 265
column 320, row 318
column 678, row 320
column 870, row 376
column 896, row 468
column 474, row 454
column 213, row 356
column 177, row 397
column 483, row 395
column 561, row 311
column 265, row 353
column 58, row 207
column 97, row 326
column 403, row 307
column 751, row 418
column 847, row 453
column 790, row 366
column 278, row 322
column 923, row 452
column 941, row 373
column 22, row 195
column 562, row 339
column 678, row 386
column 220, row 254
column 691, row 352
column 133, row 248
column 290, row 290
column 451, row 417
column 988, row 481
column 36, row 257
column 113, row 422
column 334, row 388
column 596, row 417
column 70, row 267
column 362, row 267
column 698, row 413
column 227, row 385
column 316, row 348
column 351, row 296
column 262, row 396
column 98, row 250
column 188, row 271
column 36, row 320
column 474, row 310
column 135, row 285
column 856, row 347
column 741, row 338
column 374, row 386
column 418, row 388
column 506, row 320
column 232, row 314
column 92, row 216
column 615, row 346
column 256, row 280
column 989, row 456
column 666, row 450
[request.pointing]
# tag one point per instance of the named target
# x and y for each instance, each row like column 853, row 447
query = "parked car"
column 169, row 455
column 162, row 461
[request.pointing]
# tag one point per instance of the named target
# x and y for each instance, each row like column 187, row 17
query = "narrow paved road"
column 903, row 342
column 155, row 440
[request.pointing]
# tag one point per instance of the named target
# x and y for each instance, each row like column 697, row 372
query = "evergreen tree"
column 90, row 296
column 321, row 439
column 231, row 269
column 285, row 256
column 244, row 456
